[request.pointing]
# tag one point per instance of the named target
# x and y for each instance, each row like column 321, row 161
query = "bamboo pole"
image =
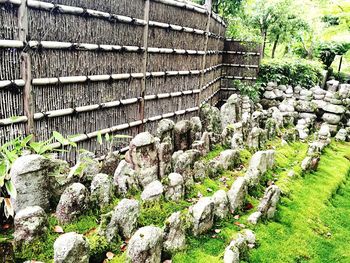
column 14, row 2
column 120, row 127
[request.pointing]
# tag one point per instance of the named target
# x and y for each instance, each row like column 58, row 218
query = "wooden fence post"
column 26, row 69
column 208, row 4
column 144, row 65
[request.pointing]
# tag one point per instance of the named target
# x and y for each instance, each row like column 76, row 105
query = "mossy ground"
column 312, row 223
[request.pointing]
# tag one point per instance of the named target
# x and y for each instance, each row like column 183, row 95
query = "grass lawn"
column 313, row 220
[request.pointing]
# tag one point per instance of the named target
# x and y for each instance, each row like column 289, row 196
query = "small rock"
column 71, row 248
column 30, row 223
column 153, row 191
column 203, row 215
column 123, row 220
column 73, row 202
column 146, row 245
column 101, row 190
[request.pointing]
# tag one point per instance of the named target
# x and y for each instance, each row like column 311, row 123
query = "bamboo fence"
column 83, row 67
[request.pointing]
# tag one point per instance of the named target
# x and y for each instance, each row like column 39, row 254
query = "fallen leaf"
column 90, row 232
column 236, row 217
column 123, row 247
column 6, row 226
column 58, row 229
column 217, row 231
column 209, row 190
column 214, row 236
column 249, row 206
column 110, row 255
column 167, row 261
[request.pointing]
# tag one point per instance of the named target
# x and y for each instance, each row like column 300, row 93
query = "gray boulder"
column 143, row 156
column 73, row 202
column 125, row 178
column 183, row 164
column 229, row 159
column 221, row 204
column 124, row 219
column 30, row 175
column 91, row 166
column 145, row 245
column 102, row 190
column 175, row 189
column 331, row 118
column 341, row 135
column 203, row 215
column 174, row 234
column 165, row 151
column 152, row 191
column 165, row 129
column 211, row 119
column 182, row 135
column 336, row 109
column 71, row 248
column 228, row 111
column 196, row 128
column 236, row 195
column 30, row 223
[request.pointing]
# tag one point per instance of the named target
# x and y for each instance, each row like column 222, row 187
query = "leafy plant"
column 250, row 90
column 327, row 51
column 12, row 150
column 290, row 71
column 112, row 140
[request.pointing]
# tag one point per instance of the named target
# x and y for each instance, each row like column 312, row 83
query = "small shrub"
column 291, row 72
column 250, row 90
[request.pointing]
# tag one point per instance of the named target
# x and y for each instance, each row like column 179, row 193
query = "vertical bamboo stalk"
column 144, row 65
column 208, row 4
column 26, row 69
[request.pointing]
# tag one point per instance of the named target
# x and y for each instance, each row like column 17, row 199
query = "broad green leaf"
column 59, row 137
column 99, row 137
column 11, row 189
column 36, row 146
column 27, row 139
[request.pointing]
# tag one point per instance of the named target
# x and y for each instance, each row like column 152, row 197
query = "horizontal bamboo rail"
column 82, row 11
column 87, row 108
column 83, row 137
column 14, row 2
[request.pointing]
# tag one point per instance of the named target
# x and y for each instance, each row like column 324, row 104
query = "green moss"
column 156, row 213
column 214, row 153
column 312, row 221
column 245, row 156
column 42, row 250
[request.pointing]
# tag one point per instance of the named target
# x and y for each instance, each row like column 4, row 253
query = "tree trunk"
column 340, row 64
column 275, row 46
column 264, row 35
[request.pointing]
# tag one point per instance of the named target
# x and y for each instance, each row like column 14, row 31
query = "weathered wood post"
column 208, row 5
column 144, row 65
column 26, row 69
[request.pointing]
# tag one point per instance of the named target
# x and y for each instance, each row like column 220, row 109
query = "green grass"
column 312, row 209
